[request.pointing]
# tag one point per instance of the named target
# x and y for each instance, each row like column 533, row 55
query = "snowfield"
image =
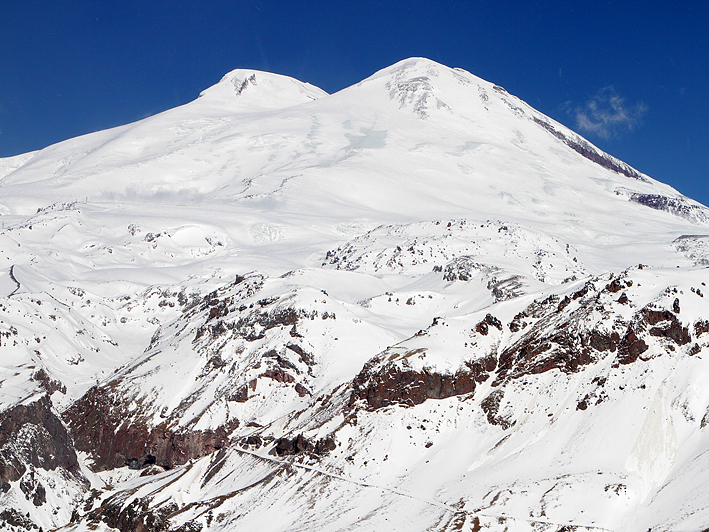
column 417, row 304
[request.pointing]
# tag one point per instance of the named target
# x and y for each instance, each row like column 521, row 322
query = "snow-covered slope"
column 415, row 304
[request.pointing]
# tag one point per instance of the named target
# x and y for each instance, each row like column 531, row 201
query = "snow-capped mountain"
column 415, row 304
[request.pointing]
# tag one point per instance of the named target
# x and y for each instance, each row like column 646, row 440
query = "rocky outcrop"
column 466, row 268
column 408, row 387
column 11, row 517
column 139, row 515
column 490, row 321
column 251, row 326
column 48, row 384
column 300, row 444
column 379, row 386
column 99, row 428
column 491, row 406
column 677, row 206
column 32, row 436
column 584, row 149
column 565, row 339
column 564, row 334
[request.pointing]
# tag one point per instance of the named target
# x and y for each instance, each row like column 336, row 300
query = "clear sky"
column 632, row 77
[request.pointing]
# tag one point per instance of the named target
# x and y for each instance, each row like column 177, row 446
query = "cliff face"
column 39, row 468
column 103, row 429
column 31, row 435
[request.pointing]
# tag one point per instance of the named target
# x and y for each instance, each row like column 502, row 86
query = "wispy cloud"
column 607, row 114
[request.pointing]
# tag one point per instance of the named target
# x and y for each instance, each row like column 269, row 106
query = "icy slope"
column 255, row 295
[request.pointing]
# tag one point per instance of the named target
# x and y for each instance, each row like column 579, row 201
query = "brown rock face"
column 489, row 321
column 139, row 515
column 11, row 517
column 32, row 435
column 701, row 327
column 630, row 348
column 491, row 407
column 48, row 384
column 98, row 429
column 300, row 444
column 565, row 348
column 380, row 387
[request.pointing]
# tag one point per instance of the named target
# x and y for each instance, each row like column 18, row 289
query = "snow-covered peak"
column 255, row 90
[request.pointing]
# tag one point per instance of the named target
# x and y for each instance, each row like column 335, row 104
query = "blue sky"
column 632, row 77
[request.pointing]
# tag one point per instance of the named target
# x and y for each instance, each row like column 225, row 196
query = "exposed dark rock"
column 218, row 461
column 491, row 320
column 11, row 517
column 481, row 368
column 537, row 353
column 653, row 317
column 300, row 444
column 324, row 445
column 220, row 310
column 139, row 516
column 701, row 327
column 464, row 269
column 518, row 322
column 677, row 206
column 278, row 375
column 587, row 288
column 670, row 327
column 615, row 286
column 564, row 303
column 99, row 426
column 252, row 441
column 297, row 445
column 384, row 386
column 151, row 471
column 630, row 347
column 31, row 435
column 33, row 489
column 241, row 395
column 589, row 152
column 301, row 390
column 305, row 357
column 673, row 331
column 254, row 325
column 491, row 407
column 601, row 341
column 48, row 384
column 505, row 289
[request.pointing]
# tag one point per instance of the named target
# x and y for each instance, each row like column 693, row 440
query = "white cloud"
column 607, row 115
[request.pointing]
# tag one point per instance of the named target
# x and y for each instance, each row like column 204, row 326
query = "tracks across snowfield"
column 578, row 527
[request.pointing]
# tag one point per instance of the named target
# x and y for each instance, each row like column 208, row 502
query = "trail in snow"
column 437, row 504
